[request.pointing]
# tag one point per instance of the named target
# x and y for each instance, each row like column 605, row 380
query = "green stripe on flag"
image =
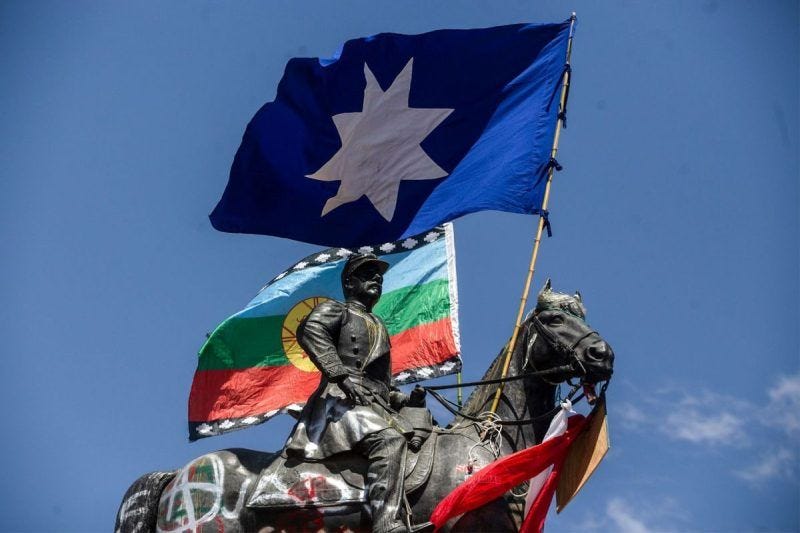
column 411, row 306
column 243, row 343
column 248, row 342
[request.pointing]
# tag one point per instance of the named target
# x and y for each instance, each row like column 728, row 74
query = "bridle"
column 571, row 364
column 568, row 353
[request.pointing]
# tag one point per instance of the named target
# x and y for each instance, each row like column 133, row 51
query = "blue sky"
column 676, row 216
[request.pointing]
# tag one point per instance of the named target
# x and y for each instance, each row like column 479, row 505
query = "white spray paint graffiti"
column 126, row 513
column 273, row 489
column 177, row 498
column 234, row 514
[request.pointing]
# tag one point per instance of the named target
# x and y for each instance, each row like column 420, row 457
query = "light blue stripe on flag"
column 418, row 266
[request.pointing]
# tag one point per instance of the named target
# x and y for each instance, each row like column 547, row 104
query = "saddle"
column 340, row 480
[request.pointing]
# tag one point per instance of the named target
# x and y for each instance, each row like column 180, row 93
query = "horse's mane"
column 480, row 395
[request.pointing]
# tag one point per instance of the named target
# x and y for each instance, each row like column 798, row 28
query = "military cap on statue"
column 356, row 261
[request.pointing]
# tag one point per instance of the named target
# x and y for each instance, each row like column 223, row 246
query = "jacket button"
column 352, row 338
column 355, row 350
column 358, row 364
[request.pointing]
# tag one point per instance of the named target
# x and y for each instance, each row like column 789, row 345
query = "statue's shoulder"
column 327, row 311
column 326, row 316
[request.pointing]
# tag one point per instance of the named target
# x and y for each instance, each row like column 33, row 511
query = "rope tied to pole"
column 545, row 214
column 562, row 114
column 553, row 163
column 566, row 74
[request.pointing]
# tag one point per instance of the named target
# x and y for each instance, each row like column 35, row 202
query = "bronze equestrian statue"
column 245, row 490
column 355, row 407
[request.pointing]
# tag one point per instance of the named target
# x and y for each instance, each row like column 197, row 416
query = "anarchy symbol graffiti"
column 194, row 497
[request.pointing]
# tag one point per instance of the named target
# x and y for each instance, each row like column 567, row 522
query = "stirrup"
column 414, row 528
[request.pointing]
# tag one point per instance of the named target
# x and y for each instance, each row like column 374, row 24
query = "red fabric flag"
column 492, row 481
column 534, row 520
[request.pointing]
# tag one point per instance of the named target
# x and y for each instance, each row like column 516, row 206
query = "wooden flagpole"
column 531, row 268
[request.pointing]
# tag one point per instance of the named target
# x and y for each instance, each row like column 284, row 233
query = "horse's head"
column 559, row 342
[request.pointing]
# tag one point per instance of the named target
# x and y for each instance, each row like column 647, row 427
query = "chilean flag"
column 542, row 487
column 541, row 464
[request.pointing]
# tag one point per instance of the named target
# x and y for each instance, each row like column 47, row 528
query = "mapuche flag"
column 251, row 367
column 399, row 133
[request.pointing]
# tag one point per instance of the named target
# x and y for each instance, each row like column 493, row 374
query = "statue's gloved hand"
column 417, row 397
column 354, row 391
column 397, row 399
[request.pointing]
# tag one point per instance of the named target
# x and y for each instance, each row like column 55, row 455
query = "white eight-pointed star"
column 381, row 146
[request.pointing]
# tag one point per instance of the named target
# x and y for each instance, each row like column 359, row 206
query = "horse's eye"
column 557, row 320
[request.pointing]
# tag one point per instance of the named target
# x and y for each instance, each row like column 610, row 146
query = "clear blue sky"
column 676, row 216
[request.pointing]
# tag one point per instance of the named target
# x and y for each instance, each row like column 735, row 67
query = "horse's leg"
column 494, row 516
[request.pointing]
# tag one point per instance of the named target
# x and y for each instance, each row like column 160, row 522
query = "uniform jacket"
column 344, row 339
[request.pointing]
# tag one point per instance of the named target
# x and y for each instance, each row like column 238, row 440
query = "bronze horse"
column 215, row 492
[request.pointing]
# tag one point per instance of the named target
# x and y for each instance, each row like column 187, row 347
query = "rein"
column 449, row 406
column 538, row 373
column 568, row 352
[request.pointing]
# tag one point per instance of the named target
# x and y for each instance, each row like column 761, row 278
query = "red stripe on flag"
column 221, row 394
column 424, row 345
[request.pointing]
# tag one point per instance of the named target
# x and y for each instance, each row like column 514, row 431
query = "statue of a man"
column 355, row 406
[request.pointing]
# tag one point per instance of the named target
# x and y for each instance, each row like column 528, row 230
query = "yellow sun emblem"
column 293, row 351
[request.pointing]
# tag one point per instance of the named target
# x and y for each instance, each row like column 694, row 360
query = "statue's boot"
column 386, row 452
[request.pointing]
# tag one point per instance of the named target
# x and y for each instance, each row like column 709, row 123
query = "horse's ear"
column 578, row 296
column 547, row 287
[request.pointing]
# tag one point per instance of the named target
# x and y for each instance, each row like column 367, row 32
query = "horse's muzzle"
column 599, row 361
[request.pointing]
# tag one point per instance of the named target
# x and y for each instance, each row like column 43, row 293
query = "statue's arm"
column 318, row 336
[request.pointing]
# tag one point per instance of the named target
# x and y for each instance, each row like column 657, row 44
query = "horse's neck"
column 541, row 400
column 518, row 401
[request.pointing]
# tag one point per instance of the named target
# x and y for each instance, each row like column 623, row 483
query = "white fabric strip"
column 557, row 427
column 452, row 284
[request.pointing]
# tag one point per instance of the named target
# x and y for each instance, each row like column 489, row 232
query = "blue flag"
column 399, row 133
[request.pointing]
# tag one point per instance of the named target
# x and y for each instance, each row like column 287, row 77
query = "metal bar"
column 459, row 396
